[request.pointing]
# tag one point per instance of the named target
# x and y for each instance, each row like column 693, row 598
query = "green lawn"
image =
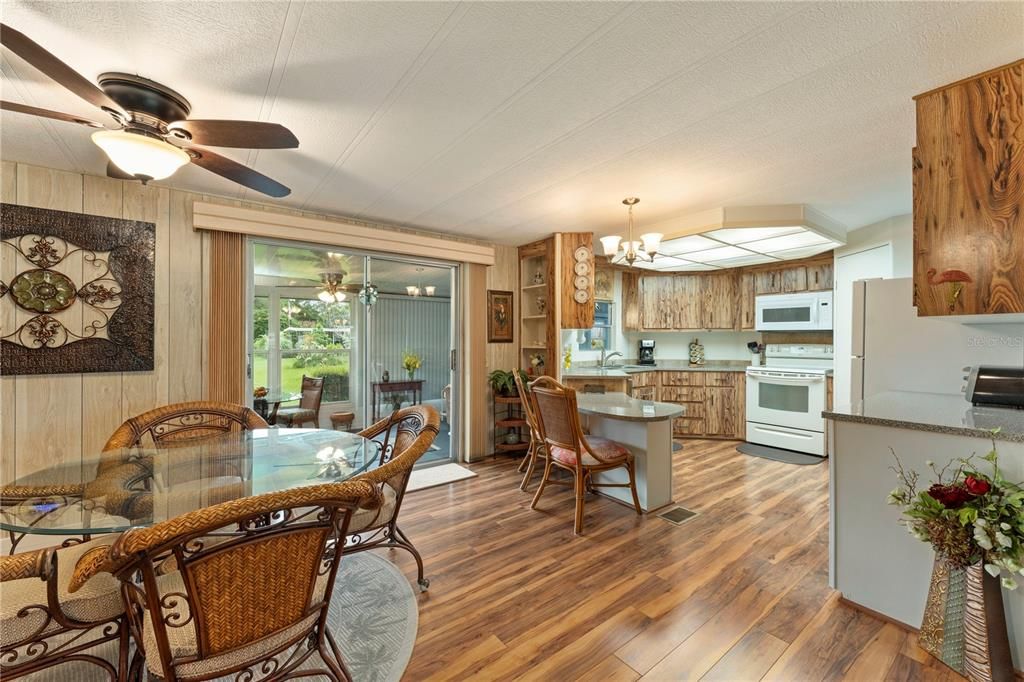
column 291, row 377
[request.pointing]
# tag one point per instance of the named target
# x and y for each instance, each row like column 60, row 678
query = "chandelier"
column 417, row 290
column 631, row 250
column 331, row 289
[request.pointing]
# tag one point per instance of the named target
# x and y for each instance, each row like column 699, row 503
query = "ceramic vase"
column 964, row 624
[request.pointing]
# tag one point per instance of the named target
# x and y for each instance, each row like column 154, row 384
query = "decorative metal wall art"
column 76, row 292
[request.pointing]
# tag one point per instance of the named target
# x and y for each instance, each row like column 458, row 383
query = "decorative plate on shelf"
column 582, row 268
column 581, row 282
column 581, row 254
column 581, row 296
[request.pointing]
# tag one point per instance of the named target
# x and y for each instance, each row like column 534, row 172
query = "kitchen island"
column 643, row 426
column 874, row 562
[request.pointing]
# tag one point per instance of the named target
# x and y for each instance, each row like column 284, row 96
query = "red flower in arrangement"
column 951, row 496
column 977, row 486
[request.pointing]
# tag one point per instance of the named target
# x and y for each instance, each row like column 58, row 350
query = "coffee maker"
column 646, row 353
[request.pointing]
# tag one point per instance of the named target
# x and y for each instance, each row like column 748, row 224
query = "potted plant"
column 975, row 523
column 503, row 382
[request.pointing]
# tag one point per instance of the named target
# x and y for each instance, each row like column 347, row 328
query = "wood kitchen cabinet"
column 715, row 300
column 714, row 403
column 748, row 313
column 794, row 279
column 689, row 301
column 719, row 292
column 630, row 302
column 724, row 416
column 657, row 302
column 968, row 193
column 819, row 277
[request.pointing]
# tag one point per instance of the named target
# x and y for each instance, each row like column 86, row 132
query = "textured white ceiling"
column 507, row 121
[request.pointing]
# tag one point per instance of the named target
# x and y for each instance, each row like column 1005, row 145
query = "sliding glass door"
column 380, row 331
column 411, row 349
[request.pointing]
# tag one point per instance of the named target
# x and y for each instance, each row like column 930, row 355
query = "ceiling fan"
column 153, row 137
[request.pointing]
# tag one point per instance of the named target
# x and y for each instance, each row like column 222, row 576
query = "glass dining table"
column 113, row 491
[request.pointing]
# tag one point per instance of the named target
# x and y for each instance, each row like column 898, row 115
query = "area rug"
column 373, row 616
column 439, row 475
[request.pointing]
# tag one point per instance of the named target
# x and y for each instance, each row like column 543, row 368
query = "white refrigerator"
column 895, row 350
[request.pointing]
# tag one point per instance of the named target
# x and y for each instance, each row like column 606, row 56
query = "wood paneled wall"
column 47, row 420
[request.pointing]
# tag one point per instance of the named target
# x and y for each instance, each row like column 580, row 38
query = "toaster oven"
column 996, row 386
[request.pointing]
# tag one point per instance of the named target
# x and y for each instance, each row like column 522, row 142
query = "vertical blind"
column 421, row 325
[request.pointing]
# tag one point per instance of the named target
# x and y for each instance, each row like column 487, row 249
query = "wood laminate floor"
column 739, row 592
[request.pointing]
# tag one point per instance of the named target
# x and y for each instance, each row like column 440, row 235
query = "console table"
column 379, row 389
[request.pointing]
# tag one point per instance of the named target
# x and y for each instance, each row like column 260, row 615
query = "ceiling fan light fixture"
column 140, row 155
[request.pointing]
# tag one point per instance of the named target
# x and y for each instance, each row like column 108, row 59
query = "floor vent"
column 677, row 515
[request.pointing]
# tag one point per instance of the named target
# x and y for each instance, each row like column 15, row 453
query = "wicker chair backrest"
column 260, row 568
column 403, row 438
column 557, row 415
column 183, row 423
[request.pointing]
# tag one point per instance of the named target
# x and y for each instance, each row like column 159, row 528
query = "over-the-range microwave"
column 794, row 312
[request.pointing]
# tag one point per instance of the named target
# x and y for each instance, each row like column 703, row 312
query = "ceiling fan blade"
column 242, row 134
column 236, row 172
column 40, row 58
column 46, row 113
column 114, row 172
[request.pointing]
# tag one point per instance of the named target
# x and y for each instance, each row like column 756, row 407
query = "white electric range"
column 786, row 396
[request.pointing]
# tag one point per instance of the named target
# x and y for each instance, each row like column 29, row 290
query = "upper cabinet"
column 719, row 299
column 714, row 300
column 968, row 177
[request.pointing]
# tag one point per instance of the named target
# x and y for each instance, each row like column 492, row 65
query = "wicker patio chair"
column 402, row 439
column 537, row 447
column 42, row 625
column 308, row 410
column 254, row 603
column 572, row 450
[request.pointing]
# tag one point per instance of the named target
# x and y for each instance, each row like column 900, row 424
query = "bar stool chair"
column 568, row 448
column 537, row 448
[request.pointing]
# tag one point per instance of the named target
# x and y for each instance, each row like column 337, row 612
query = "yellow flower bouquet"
column 411, row 362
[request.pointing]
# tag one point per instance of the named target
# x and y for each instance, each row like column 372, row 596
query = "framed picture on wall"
column 499, row 316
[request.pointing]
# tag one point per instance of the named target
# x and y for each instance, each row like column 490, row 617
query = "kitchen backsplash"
column 718, row 345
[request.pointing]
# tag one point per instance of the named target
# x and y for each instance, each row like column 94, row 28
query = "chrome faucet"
column 609, row 356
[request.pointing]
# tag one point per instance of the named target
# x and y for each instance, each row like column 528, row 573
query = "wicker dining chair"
column 573, row 451
column 184, row 423
column 401, row 439
column 537, row 449
column 308, row 410
column 43, row 625
column 252, row 585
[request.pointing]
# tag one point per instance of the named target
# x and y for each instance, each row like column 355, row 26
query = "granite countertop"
column 621, row 406
column 936, row 412
column 628, row 368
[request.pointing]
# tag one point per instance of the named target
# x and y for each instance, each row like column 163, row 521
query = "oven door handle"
column 791, row 381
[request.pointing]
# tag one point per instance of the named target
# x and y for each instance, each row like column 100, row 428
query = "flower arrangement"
column 411, row 362
column 969, row 517
column 260, row 392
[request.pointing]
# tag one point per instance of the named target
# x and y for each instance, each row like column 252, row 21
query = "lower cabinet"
column 598, row 384
column 714, row 403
